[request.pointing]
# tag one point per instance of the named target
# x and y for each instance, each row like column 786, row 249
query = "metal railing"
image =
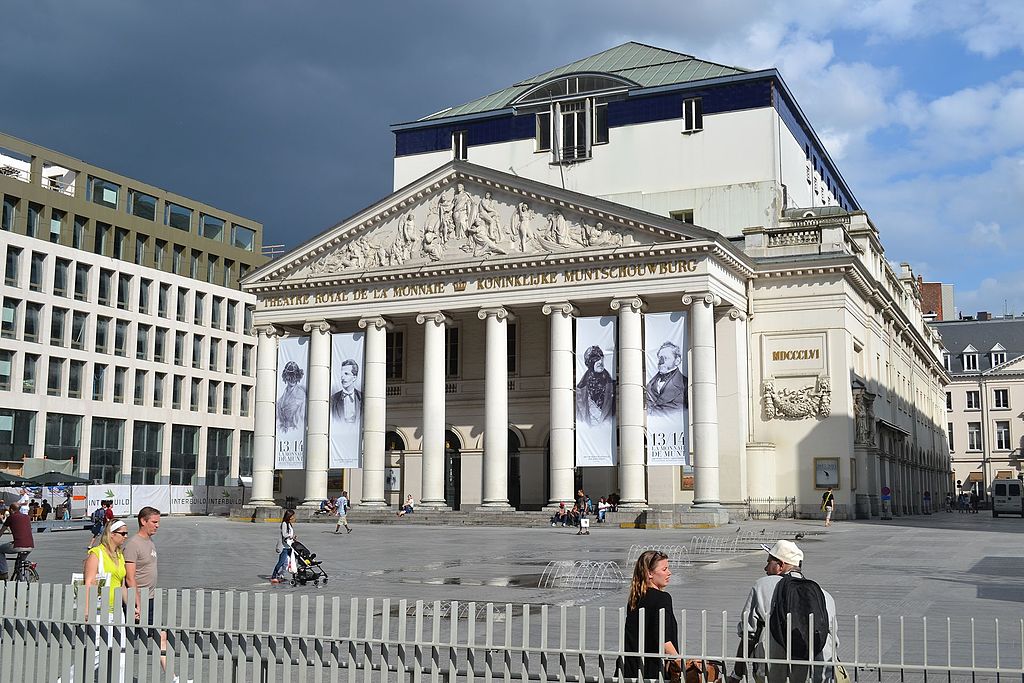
column 771, row 508
column 227, row 636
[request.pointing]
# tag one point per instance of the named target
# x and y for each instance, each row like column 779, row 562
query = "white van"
column 1007, row 497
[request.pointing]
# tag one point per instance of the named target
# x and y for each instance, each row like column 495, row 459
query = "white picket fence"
column 228, row 636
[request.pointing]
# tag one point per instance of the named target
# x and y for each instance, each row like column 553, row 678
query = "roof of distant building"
column 638, row 64
column 984, row 336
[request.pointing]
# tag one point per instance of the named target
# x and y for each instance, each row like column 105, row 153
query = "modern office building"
column 569, row 225
column 125, row 343
column 985, row 399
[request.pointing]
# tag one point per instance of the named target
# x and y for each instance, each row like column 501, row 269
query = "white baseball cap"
column 787, row 551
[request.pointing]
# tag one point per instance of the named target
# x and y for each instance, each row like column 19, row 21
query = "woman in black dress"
column 647, row 591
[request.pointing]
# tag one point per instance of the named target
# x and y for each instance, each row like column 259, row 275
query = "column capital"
column 563, row 307
column 267, row 331
column 377, row 321
column 737, row 314
column 499, row 312
column 633, row 302
column 708, row 298
column 436, row 317
column 321, row 326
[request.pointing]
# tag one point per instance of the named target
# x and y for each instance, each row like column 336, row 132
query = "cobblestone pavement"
column 943, row 565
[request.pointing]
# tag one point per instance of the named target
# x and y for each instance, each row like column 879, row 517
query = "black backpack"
column 99, row 516
column 799, row 597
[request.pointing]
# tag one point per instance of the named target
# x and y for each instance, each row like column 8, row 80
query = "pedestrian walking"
column 828, row 502
column 140, row 559
column 104, row 564
column 341, row 510
column 284, row 546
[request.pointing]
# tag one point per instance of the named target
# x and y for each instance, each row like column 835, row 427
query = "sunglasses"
column 120, row 533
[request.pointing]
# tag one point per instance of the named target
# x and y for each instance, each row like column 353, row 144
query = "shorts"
column 343, row 519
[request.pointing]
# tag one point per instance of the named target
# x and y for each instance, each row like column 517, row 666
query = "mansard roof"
column 978, row 335
column 642, row 65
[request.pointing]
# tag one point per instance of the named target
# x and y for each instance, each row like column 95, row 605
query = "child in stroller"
column 307, row 567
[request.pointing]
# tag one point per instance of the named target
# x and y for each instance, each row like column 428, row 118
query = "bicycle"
column 23, row 569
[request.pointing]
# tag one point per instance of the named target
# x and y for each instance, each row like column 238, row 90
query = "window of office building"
column 58, row 322
column 102, row 335
column 195, row 399
column 159, row 252
column 162, row 300
column 35, row 273
column 180, row 313
column 198, row 309
column 215, row 312
column 11, row 268
column 1001, row 398
column 6, row 365
column 394, row 354
column 147, row 444
column 243, row 237
column 76, row 369
column 78, row 232
column 63, row 436
column 106, row 449
column 54, row 375
column 160, row 345
column 247, row 320
column 120, row 374
column 142, row 205
column 229, row 357
column 1002, row 435
column 142, row 342
column 124, row 291
column 99, row 381
column 231, row 316
column 243, row 401
column 33, row 321
column 197, row 351
column 212, row 396
column 121, row 338
column 178, row 260
column 974, row 436
column 99, row 244
column 214, row 352
column 212, row 265
column 973, row 400
column 17, row 434
column 10, row 212
column 179, row 348
column 140, row 249
column 159, row 380
column 227, row 398
column 29, row 373
column 139, row 395
column 225, row 273
column 184, row 454
column 106, row 287
column 247, row 360
column 32, row 226
column 120, row 243
column 103, row 192
column 81, row 282
column 218, row 456
column 78, row 325
column 145, row 287
column 178, row 217
column 176, row 389
column 193, row 264
column 245, row 448
column 61, row 269
column 211, row 227
column 56, row 224
column 9, row 322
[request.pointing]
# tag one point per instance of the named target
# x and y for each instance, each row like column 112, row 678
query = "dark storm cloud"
column 276, row 111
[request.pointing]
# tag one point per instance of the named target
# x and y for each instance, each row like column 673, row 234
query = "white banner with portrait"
column 595, row 392
column 292, row 388
column 666, row 385
column 346, row 435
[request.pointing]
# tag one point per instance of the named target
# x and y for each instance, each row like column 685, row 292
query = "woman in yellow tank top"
column 107, row 558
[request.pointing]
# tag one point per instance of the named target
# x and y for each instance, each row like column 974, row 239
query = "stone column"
column 433, row 408
column 495, row 460
column 318, row 411
column 704, row 408
column 562, row 444
column 265, row 418
column 630, row 408
column 374, row 422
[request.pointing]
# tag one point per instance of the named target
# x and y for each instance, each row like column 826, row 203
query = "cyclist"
column 21, row 528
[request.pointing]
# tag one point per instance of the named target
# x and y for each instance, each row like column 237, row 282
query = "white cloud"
column 986, row 235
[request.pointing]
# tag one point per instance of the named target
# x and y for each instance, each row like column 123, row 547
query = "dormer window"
column 998, row 355
column 947, row 360
column 970, row 361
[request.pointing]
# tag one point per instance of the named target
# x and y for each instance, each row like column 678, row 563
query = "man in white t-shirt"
column 341, row 510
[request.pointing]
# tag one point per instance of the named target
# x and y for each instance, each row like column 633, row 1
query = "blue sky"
column 280, row 112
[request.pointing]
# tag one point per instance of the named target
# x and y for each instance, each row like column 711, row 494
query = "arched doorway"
column 452, row 470
column 514, row 486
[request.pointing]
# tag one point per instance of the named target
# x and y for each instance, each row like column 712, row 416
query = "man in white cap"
column 756, row 637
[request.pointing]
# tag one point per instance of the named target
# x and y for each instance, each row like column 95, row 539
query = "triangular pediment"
column 463, row 217
column 1014, row 366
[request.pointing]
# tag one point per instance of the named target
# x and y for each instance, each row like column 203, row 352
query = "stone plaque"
column 794, row 355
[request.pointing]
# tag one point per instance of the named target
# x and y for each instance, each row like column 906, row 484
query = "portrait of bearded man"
column 595, row 393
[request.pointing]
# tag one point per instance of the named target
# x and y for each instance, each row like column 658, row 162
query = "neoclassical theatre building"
column 560, row 255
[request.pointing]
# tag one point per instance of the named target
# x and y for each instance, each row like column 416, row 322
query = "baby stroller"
column 307, row 567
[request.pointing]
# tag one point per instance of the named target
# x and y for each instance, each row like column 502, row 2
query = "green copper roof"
column 642, row 64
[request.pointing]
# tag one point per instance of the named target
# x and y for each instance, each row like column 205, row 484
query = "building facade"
column 125, row 342
column 635, row 183
column 985, row 399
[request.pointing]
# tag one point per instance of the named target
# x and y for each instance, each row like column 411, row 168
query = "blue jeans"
column 282, row 563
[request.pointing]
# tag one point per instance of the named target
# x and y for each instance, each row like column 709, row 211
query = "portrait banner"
column 665, row 390
column 292, row 388
column 346, row 435
column 595, row 392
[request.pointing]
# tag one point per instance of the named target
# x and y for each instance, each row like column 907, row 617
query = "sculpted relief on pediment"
column 459, row 224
